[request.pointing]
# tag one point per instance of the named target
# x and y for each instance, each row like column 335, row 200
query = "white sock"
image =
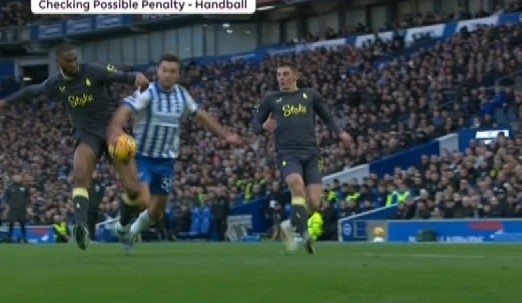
column 141, row 223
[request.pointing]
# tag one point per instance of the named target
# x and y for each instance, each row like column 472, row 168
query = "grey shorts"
column 307, row 165
column 96, row 142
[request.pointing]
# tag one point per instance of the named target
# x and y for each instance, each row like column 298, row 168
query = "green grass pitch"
column 261, row 273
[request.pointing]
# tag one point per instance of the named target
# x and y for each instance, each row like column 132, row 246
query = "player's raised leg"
column 154, row 213
column 84, row 163
column 160, row 187
column 135, row 197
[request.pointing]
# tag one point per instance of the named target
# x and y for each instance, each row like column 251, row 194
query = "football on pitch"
column 124, row 149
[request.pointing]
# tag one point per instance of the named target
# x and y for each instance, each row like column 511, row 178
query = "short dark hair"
column 169, row 57
column 288, row 64
column 64, row 48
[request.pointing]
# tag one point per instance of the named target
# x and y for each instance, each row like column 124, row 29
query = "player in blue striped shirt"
column 158, row 113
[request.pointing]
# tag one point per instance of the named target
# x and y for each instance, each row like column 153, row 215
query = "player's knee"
column 296, row 185
column 131, row 186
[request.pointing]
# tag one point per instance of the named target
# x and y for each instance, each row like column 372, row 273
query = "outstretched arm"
column 205, row 119
column 323, row 112
column 109, row 73
column 211, row 124
column 26, row 93
column 131, row 104
column 262, row 113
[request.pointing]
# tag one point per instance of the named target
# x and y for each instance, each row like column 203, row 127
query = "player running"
column 85, row 89
column 290, row 114
column 158, row 116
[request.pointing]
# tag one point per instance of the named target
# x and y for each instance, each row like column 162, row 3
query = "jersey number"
column 166, row 185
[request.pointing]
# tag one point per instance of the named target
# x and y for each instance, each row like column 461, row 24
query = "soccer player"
column 290, row 114
column 85, row 89
column 158, row 114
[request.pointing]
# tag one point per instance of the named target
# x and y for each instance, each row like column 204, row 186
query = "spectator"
column 61, row 230
column 482, row 183
column 406, row 102
column 17, row 197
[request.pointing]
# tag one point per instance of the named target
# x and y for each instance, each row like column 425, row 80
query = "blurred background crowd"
column 426, row 90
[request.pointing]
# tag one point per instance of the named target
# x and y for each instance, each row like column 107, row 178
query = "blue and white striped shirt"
column 158, row 119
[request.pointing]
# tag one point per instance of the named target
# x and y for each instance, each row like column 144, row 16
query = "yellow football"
column 124, row 149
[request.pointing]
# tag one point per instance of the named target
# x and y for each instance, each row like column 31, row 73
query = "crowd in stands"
column 15, row 13
column 407, row 21
column 482, row 182
column 485, row 181
column 386, row 107
column 18, row 13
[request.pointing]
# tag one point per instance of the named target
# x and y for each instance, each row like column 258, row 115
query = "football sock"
column 141, row 223
column 300, row 215
column 127, row 208
column 81, row 205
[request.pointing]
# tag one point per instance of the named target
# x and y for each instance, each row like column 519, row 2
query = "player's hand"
column 270, row 124
column 142, row 82
column 233, row 139
column 346, row 138
column 113, row 134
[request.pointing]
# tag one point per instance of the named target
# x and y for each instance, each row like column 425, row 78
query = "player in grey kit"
column 290, row 114
column 85, row 89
